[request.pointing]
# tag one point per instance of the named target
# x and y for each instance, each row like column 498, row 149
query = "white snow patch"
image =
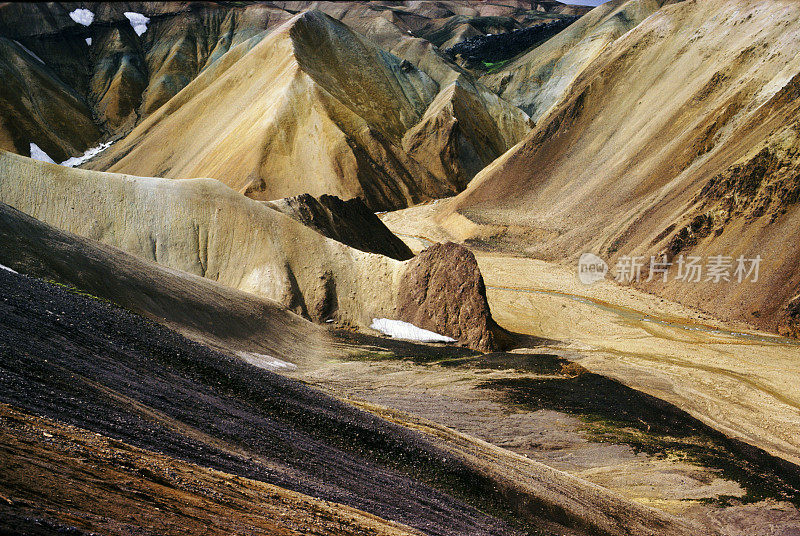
column 29, row 51
column 138, row 21
column 403, row 330
column 4, row 267
column 89, row 41
column 82, row 16
column 78, row 160
column 38, row 154
column 266, row 361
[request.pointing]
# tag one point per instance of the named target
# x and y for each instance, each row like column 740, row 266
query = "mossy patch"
column 614, row 413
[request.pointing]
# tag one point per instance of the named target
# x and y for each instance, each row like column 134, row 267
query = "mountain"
column 534, row 81
column 311, row 108
column 357, row 101
column 330, row 112
column 639, row 158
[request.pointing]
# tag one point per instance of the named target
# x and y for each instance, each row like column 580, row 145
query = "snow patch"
column 29, row 51
column 38, row 154
column 82, row 16
column 4, row 267
column 89, row 41
column 138, row 21
column 265, row 361
column 78, row 160
column 398, row 329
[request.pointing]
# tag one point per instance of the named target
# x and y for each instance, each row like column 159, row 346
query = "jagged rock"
column 442, row 290
column 350, row 222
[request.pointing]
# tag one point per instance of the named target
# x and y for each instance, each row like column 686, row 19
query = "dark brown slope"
column 349, row 222
column 92, row 365
column 49, row 475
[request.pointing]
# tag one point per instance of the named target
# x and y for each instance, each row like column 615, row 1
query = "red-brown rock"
column 443, row 291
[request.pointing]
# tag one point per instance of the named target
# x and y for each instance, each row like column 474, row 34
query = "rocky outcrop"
column 442, row 290
column 350, row 222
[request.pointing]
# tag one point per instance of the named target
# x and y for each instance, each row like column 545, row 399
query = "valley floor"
column 731, row 378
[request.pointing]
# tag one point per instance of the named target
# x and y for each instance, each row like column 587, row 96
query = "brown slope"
column 619, row 168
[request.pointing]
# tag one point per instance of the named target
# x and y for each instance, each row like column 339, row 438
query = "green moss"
column 76, row 290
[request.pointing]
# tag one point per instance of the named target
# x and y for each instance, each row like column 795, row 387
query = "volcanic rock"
column 442, row 291
column 350, row 222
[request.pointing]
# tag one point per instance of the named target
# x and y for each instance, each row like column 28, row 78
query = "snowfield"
column 138, row 21
column 78, row 160
column 82, row 16
column 38, row 154
column 398, row 329
column 4, row 267
column 265, row 361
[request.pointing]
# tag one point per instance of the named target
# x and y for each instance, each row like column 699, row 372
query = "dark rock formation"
column 499, row 47
column 442, row 291
column 349, row 222
column 789, row 323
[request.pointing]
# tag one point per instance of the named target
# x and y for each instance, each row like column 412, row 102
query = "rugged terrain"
column 212, row 311
column 618, row 169
column 148, row 387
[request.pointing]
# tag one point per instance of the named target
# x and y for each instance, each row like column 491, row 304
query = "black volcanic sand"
column 91, row 364
column 616, row 413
